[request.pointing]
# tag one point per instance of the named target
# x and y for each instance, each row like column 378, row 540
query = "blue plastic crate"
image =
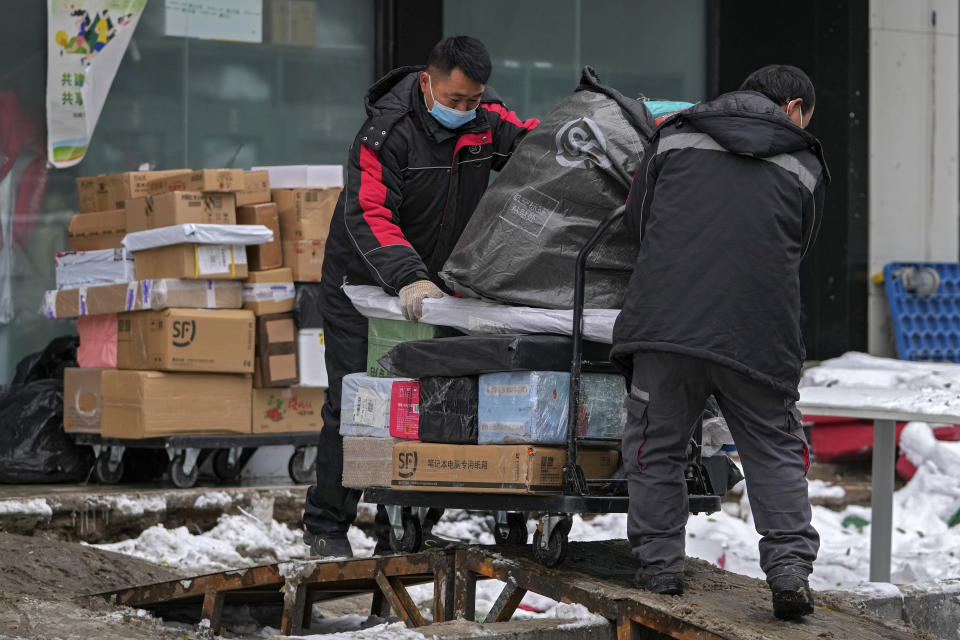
column 926, row 327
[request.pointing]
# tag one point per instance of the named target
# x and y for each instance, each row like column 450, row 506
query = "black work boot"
column 433, row 541
column 668, row 584
column 792, row 597
column 382, row 548
column 326, row 546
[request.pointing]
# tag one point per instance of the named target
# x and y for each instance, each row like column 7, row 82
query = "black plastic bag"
column 473, row 355
column 448, row 409
column 568, row 174
column 306, row 305
column 48, row 364
column 33, row 446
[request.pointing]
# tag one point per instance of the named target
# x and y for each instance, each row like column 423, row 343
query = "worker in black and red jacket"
column 416, row 171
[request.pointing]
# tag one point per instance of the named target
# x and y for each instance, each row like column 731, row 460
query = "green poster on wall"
column 86, row 40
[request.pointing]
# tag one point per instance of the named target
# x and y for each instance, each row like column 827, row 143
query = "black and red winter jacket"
column 412, row 184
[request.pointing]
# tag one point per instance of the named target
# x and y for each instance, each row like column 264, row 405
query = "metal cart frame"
column 407, row 509
column 186, row 452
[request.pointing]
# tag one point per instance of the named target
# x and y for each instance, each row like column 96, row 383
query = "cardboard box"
column 285, row 410
column 148, row 404
column 492, row 468
column 276, row 333
column 205, row 180
column 142, row 295
column 263, row 257
column 367, row 462
column 213, row 340
column 305, row 214
column 117, row 188
column 266, row 292
column 311, row 358
column 293, row 22
column 305, row 259
column 97, row 230
column 193, row 261
column 89, row 190
column 256, row 188
column 275, row 370
column 179, row 207
column 81, row 400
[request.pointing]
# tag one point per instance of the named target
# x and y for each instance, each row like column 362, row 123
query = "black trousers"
column 330, row 507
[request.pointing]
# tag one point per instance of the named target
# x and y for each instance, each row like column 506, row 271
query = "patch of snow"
column 126, row 505
column 876, row 590
column 394, row 631
column 212, row 500
column 821, row 489
column 31, row 507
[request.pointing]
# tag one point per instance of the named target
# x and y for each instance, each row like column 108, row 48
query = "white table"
column 885, row 407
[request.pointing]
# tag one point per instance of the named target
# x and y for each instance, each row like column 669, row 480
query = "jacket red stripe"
column 372, row 196
column 510, row 116
column 479, row 138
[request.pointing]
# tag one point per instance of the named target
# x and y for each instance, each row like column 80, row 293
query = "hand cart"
column 406, row 509
column 187, row 452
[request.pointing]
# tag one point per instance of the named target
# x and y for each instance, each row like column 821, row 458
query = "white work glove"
column 412, row 295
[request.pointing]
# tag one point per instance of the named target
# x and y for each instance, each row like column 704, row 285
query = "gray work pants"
column 665, row 401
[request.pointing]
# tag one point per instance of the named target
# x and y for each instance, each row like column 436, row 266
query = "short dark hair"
column 464, row 53
column 780, row 83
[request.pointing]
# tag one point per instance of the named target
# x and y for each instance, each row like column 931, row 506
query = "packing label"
column 529, row 210
column 503, row 427
column 371, row 408
column 484, row 325
column 269, row 291
column 405, row 409
column 507, row 389
column 219, row 258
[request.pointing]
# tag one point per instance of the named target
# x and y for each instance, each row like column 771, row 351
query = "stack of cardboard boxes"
column 171, row 334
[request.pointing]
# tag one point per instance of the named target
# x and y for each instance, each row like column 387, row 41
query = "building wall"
column 913, row 143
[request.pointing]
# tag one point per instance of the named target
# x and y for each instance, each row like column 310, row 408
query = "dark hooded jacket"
column 412, row 185
column 728, row 199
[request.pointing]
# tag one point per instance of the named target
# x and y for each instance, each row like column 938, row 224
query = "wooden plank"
column 412, row 618
column 294, row 599
column 465, row 589
column 212, row 609
column 444, row 571
column 406, row 602
column 506, row 603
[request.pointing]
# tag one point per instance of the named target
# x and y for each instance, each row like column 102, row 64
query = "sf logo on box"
column 184, row 332
column 408, row 463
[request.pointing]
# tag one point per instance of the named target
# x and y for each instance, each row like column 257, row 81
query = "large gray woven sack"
column 521, row 244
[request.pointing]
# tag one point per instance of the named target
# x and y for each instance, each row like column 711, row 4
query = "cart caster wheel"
column 180, row 478
column 102, row 471
column 557, row 546
column 222, row 468
column 516, row 533
column 412, row 536
column 295, row 468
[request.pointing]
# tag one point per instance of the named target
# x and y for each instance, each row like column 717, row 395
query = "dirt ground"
column 40, row 581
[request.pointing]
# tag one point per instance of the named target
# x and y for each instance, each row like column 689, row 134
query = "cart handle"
column 574, row 482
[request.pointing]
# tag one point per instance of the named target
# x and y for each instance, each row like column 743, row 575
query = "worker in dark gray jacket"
column 727, row 201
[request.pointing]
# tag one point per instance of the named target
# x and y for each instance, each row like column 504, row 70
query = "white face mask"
column 448, row 116
column 800, row 108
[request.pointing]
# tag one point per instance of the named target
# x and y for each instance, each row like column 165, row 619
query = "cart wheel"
column 516, row 531
column 180, row 478
column 556, row 549
column 412, row 536
column 102, row 472
column 295, row 468
column 223, row 469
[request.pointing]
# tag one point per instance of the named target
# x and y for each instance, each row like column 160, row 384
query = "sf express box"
column 98, row 230
column 256, row 188
column 263, row 257
column 147, row 404
column 266, row 292
column 106, row 192
column 193, row 261
column 286, row 410
column 367, row 462
column 492, row 468
column 305, row 214
column 179, row 207
column 81, row 400
column 203, row 180
column 212, row 340
column 305, row 259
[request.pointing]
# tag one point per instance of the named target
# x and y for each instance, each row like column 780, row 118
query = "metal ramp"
column 718, row 605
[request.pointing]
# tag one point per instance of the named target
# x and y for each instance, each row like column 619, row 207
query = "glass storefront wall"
column 175, row 102
column 538, row 47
